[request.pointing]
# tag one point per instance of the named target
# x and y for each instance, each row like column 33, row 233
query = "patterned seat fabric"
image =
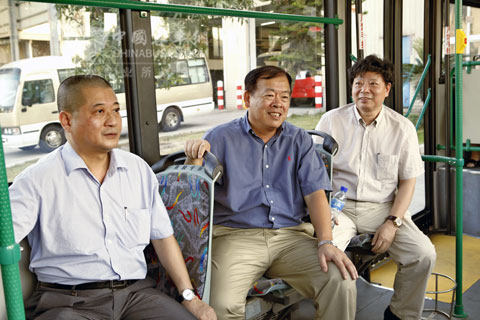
column 264, row 286
column 186, row 196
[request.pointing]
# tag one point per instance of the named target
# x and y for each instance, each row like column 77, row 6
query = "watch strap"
column 321, row 243
column 395, row 220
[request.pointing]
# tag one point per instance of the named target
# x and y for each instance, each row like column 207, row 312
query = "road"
column 14, row 156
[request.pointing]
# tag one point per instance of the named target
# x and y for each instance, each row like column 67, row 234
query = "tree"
column 301, row 42
column 186, row 37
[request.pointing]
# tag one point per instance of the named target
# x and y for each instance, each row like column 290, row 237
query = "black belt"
column 112, row 284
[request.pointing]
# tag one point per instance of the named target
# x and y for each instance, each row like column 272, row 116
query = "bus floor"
column 374, row 297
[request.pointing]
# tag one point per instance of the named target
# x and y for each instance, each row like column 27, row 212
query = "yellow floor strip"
column 445, row 246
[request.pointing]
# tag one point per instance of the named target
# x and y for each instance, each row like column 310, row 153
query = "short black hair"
column 70, row 92
column 372, row 63
column 265, row 72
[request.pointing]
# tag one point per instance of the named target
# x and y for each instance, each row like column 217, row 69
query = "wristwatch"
column 397, row 222
column 321, row 243
column 187, row 295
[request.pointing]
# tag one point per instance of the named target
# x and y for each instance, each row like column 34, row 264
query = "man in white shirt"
column 89, row 210
column 378, row 161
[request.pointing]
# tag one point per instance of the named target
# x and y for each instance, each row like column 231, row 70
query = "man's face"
column 369, row 91
column 268, row 105
column 96, row 125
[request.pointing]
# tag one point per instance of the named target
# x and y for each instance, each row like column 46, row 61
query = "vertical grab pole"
column 459, row 311
column 9, row 250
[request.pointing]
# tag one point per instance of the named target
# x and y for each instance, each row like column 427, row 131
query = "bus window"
column 197, row 70
column 37, row 92
column 9, row 79
column 181, row 70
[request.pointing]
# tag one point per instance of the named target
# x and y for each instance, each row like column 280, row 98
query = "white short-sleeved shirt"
column 372, row 159
column 83, row 231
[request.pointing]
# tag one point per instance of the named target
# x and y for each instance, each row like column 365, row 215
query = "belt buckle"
column 118, row 284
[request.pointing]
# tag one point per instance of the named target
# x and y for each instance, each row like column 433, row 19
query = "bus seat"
column 27, row 278
column 361, row 254
column 187, row 192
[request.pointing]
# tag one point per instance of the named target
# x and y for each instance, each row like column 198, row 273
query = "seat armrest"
column 329, row 144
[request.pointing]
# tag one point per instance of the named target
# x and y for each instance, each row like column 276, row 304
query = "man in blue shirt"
column 89, row 210
column 272, row 175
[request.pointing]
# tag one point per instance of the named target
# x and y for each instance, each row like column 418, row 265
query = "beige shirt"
column 372, row 159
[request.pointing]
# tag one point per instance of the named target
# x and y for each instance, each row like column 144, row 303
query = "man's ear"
column 388, row 87
column 246, row 99
column 65, row 118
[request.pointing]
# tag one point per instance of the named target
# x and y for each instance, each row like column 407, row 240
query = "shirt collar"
column 73, row 161
column 375, row 122
column 248, row 129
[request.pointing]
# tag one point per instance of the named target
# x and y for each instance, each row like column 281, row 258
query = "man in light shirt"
column 89, row 210
column 378, row 161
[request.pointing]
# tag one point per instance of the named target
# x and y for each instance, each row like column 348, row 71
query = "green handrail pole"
column 465, row 147
column 422, row 113
column 9, row 250
column 432, row 158
column 452, row 73
column 459, row 310
column 419, row 85
column 184, row 9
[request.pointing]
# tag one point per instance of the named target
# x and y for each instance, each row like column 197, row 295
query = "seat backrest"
column 187, row 192
column 327, row 149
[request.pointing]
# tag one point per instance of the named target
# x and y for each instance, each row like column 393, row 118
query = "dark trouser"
column 139, row 300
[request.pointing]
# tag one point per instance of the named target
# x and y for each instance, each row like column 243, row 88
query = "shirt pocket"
column 137, row 227
column 387, row 167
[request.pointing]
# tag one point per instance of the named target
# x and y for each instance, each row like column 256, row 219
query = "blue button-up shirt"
column 83, row 231
column 264, row 184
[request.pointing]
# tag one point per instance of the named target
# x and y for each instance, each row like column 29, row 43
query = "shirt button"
column 265, row 146
column 267, row 186
column 271, row 201
column 273, row 218
column 109, row 241
column 266, row 166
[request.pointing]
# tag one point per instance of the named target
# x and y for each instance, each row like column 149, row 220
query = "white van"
column 28, row 107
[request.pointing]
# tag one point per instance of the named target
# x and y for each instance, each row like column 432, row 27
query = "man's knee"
column 227, row 306
column 427, row 256
column 60, row 314
column 334, row 281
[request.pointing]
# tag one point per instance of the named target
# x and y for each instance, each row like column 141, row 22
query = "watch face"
column 398, row 222
column 188, row 294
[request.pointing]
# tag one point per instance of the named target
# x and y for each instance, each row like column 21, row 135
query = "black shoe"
column 388, row 315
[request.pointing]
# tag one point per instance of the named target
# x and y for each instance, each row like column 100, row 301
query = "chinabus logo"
column 139, row 37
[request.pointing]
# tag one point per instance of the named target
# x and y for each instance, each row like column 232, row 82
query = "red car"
column 303, row 92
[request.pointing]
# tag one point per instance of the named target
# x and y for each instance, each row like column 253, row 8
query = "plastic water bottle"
column 337, row 203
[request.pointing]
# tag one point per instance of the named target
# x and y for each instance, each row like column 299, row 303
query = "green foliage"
column 104, row 58
column 307, row 122
column 301, row 42
column 187, row 38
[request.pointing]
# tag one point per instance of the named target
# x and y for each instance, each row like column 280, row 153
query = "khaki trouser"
column 412, row 251
column 242, row 256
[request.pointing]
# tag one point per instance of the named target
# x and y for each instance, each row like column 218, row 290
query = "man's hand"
column 328, row 252
column 194, row 150
column 200, row 309
column 384, row 237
